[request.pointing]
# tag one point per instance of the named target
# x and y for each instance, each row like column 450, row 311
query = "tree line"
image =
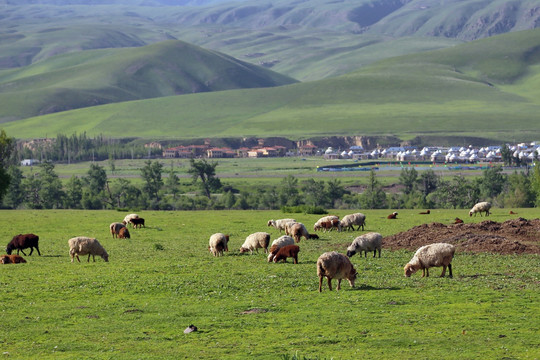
column 161, row 189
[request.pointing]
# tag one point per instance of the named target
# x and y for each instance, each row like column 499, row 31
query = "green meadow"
column 163, row 279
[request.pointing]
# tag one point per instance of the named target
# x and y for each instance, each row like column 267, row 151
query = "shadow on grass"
column 368, row 287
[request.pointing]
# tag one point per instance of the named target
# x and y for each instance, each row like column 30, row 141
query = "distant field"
column 138, row 304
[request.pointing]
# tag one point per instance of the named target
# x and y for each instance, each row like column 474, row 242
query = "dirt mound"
column 516, row 236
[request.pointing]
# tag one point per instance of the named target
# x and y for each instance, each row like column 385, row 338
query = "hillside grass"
column 139, row 303
column 451, row 92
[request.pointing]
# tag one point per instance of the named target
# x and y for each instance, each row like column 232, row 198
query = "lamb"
column 458, row 221
column 23, row 241
column 434, row 255
column 427, row 212
column 82, row 245
column 392, row 215
column 287, row 251
column 218, row 243
column 297, row 230
column 280, row 223
column 12, row 259
column 334, row 265
column 353, row 219
column 124, row 233
column 137, row 222
column 279, row 243
column 115, row 228
column 481, row 207
column 128, row 218
column 327, row 223
column 367, row 242
column 255, row 241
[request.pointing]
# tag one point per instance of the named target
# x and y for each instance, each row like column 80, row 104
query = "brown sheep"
column 425, row 212
column 12, row 259
column 512, row 213
column 115, row 228
column 458, row 221
column 392, row 215
column 124, row 233
column 23, row 241
column 334, row 265
column 297, row 231
column 137, row 222
column 287, row 251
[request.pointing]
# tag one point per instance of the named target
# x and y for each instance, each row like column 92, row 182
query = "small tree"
column 373, row 197
column 408, row 178
column 206, row 172
column 151, row 174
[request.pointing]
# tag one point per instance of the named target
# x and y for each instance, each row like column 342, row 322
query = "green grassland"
column 138, row 304
column 454, row 92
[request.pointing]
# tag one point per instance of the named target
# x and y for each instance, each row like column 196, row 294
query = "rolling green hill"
column 95, row 77
column 307, row 40
column 487, row 88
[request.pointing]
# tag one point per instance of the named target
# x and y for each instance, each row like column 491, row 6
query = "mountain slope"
column 98, row 77
column 482, row 88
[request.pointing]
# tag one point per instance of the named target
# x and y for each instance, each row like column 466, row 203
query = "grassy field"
column 138, row 304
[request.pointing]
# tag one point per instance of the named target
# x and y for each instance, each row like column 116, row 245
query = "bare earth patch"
column 516, row 236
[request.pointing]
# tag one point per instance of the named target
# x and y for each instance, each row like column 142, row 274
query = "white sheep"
column 297, row 231
column 82, row 245
column 127, row 218
column 433, row 255
column 327, row 223
column 353, row 219
column 367, row 242
column 279, row 243
column 334, row 265
column 481, row 207
column 255, row 241
column 280, row 223
column 218, row 243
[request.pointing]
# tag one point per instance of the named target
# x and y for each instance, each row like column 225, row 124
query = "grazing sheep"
column 392, row 215
column 280, row 223
column 82, row 245
column 128, row 218
column 425, row 212
column 334, row 265
column 137, row 222
column 12, row 259
column 124, row 233
column 287, row 251
column 256, row 241
column 218, row 243
column 115, row 228
column 327, row 223
column 481, row 207
column 367, row 242
column 297, row 231
column 350, row 220
column 458, row 221
column 434, row 255
column 23, row 241
column 279, row 243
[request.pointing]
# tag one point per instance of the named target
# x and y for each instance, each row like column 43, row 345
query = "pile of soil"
column 516, row 236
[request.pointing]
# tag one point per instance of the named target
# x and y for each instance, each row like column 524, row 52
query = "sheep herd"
column 331, row 265
column 79, row 245
column 334, row 265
